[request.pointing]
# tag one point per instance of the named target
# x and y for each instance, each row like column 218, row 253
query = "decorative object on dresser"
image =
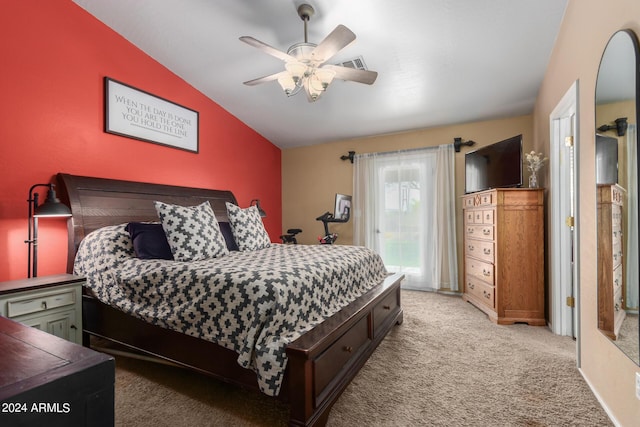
column 47, row 381
column 504, row 254
column 51, row 304
column 535, row 161
column 611, row 284
column 50, row 208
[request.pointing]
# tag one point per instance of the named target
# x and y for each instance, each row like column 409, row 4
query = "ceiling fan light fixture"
column 287, row 84
column 325, row 76
column 313, row 90
column 298, row 70
column 304, row 62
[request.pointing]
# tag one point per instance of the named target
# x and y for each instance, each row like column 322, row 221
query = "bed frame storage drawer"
column 384, row 310
column 331, row 356
column 340, row 355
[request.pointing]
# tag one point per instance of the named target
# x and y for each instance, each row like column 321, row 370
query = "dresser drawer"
column 617, row 279
column 480, row 270
column 479, row 199
column 340, row 355
column 481, row 249
column 480, row 290
column 469, row 216
column 488, row 216
column 479, row 231
column 21, row 305
column 487, row 199
column 467, row 202
column 616, row 253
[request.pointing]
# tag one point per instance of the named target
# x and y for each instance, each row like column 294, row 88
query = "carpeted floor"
column 446, row 365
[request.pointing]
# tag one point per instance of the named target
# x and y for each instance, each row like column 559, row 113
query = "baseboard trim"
column 597, row 395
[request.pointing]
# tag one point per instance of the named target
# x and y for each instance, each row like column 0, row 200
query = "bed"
column 320, row 361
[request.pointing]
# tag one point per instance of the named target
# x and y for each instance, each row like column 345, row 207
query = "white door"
column 563, row 195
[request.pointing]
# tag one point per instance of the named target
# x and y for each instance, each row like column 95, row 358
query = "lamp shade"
column 52, row 207
column 256, row 203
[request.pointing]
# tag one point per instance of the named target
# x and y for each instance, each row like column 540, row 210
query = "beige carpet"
column 446, row 365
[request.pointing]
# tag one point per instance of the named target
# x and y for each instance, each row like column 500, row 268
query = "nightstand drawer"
column 51, row 303
column 19, row 306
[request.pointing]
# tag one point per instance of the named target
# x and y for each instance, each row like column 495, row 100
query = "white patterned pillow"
column 193, row 232
column 247, row 227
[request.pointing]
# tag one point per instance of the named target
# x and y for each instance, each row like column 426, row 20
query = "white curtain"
column 631, row 235
column 404, row 208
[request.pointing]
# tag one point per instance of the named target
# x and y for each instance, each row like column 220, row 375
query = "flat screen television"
column 606, row 159
column 497, row 165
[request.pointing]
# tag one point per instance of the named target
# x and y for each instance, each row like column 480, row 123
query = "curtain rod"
column 457, row 143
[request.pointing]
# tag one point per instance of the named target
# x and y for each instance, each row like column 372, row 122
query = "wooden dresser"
column 504, row 254
column 611, row 309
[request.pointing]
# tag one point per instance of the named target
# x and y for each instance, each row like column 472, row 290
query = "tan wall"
column 311, row 176
column 586, row 29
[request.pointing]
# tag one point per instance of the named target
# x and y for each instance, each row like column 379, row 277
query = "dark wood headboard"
column 98, row 202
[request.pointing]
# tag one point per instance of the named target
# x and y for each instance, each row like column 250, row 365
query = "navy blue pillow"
column 149, row 241
column 225, row 227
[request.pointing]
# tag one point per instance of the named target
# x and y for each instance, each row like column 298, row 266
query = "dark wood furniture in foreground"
column 48, row 381
column 322, row 362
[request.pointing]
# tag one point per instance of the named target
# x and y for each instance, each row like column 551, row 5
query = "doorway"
column 563, row 195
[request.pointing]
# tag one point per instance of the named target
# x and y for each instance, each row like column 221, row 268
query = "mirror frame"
column 633, row 354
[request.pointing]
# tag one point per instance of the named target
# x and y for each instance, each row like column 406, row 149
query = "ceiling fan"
column 305, row 63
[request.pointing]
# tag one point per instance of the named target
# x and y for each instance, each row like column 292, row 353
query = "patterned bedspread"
column 254, row 303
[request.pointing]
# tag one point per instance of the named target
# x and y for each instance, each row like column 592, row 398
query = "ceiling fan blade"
column 339, row 38
column 267, row 49
column 353, row 74
column 265, row 79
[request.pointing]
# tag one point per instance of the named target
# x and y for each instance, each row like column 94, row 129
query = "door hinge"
column 571, row 302
column 568, row 141
column 569, row 221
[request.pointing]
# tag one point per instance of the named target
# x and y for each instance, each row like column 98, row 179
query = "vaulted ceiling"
column 439, row 62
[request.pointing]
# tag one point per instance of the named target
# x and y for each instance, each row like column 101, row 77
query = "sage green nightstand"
column 52, row 304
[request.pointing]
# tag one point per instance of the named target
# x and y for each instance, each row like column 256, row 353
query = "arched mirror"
column 617, row 192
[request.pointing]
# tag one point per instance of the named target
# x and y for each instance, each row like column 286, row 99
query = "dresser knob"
column 386, row 307
column 44, row 305
column 73, row 327
column 348, row 349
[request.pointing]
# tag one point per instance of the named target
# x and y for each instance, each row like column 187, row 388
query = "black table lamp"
column 256, row 202
column 50, row 208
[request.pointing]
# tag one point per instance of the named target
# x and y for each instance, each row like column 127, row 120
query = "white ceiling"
column 439, row 62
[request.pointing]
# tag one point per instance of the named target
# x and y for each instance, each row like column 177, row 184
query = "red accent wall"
column 54, row 59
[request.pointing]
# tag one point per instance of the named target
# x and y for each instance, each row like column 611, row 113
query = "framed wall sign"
column 138, row 114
